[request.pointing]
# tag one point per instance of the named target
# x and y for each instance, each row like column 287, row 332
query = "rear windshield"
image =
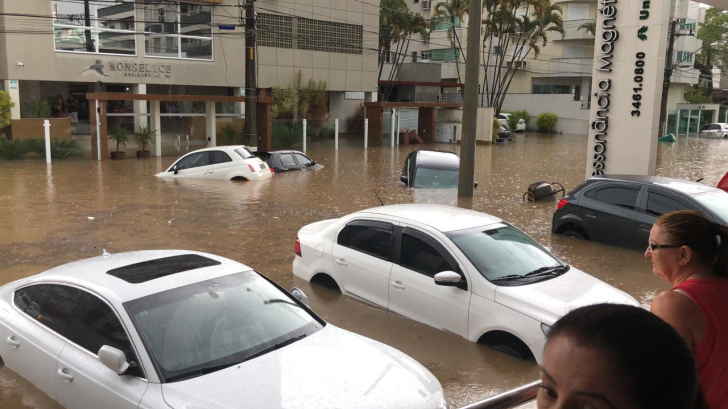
column 427, row 178
column 716, row 201
column 244, row 153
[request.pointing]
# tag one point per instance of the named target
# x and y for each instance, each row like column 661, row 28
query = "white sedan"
column 458, row 270
column 179, row 329
column 221, row 163
column 503, row 119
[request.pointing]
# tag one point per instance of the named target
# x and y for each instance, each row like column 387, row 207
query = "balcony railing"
column 509, row 399
column 572, row 31
column 572, row 67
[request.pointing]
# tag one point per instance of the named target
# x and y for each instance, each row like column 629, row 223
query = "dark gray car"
column 285, row 161
column 620, row 209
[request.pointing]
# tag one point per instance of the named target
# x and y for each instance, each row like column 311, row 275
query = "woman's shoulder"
column 678, row 310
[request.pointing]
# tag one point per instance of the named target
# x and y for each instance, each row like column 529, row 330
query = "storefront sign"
column 13, row 84
column 140, row 70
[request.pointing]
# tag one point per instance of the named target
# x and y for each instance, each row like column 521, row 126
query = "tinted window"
column 617, row 196
column 419, row 256
column 427, row 178
column 24, row 296
column 94, row 325
column 194, row 161
column 302, row 160
column 244, row 153
column 343, row 236
column 371, row 240
column 52, row 305
column 221, row 157
column 161, row 267
column 658, row 204
column 287, row 159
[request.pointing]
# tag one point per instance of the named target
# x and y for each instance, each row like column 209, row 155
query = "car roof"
column 442, row 218
column 284, row 151
column 685, row 186
column 228, row 148
column 428, row 157
column 92, row 274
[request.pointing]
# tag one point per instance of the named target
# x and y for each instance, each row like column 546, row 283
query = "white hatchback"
column 715, row 131
column 180, row 329
column 458, row 270
column 221, row 163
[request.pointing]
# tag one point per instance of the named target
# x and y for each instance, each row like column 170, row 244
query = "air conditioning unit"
column 426, row 4
column 516, row 65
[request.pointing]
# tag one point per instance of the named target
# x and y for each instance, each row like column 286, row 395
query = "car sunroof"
column 161, row 267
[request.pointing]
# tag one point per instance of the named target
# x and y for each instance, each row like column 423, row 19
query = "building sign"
column 627, row 86
column 13, row 84
column 140, row 70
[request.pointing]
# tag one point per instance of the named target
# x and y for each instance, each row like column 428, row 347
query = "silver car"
column 715, row 131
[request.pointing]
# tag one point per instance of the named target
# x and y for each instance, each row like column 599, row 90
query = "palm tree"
column 409, row 23
column 590, row 27
column 390, row 27
column 452, row 10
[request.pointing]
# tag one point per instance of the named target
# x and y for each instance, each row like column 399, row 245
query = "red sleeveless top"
column 711, row 354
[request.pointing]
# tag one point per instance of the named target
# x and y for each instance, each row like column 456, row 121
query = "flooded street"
column 75, row 209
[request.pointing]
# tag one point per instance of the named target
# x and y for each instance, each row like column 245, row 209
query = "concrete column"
column 374, row 115
column 370, row 97
column 156, row 124
column 211, row 124
column 140, row 107
column 12, row 87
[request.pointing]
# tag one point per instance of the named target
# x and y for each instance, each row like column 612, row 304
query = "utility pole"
column 250, row 130
column 470, row 102
column 668, row 75
column 90, row 47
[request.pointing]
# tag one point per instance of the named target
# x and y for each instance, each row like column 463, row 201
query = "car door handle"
column 398, row 285
column 342, row 262
column 65, row 375
column 591, row 215
column 14, row 343
column 645, row 226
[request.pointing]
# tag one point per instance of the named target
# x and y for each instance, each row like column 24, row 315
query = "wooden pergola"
column 426, row 124
column 264, row 116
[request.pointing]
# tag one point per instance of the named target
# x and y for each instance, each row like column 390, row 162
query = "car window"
column 24, row 296
column 427, row 178
column 287, row 159
column 623, row 197
column 658, row 204
column 420, row 256
column 716, row 201
column 244, row 153
column 375, row 241
column 194, row 161
column 51, row 306
column 94, row 324
column 302, row 160
column 220, row 157
column 707, row 127
column 342, row 239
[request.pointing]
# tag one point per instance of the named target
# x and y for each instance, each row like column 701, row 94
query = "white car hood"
column 332, row 368
column 550, row 300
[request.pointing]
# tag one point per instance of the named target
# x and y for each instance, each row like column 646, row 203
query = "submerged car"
column 620, row 209
column 431, row 170
column 458, row 270
column 181, row 329
column 220, row 163
column 715, row 131
column 503, row 119
column 286, row 161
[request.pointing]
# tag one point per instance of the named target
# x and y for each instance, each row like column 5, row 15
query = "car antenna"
column 380, row 199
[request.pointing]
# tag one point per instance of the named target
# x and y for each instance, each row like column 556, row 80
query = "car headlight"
column 546, row 329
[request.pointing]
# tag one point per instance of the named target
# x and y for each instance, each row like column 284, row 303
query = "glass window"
column 372, row 240
column 342, row 239
column 24, row 296
column 303, row 160
column 221, row 157
column 194, row 161
column 244, row 153
column 618, row 196
column 658, row 204
column 287, row 159
column 51, row 306
column 207, row 326
column 427, row 178
column 716, row 202
column 419, row 256
column 104, row 28
column 94, row 324
column 178, row 30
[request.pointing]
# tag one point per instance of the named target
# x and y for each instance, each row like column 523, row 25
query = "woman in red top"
column 691, row 253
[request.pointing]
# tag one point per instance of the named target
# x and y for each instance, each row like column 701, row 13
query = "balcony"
column 572, row 32
column 572, row 67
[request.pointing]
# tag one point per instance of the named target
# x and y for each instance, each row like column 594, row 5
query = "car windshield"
column 428, row 178
column 716, row 201
column 203, row 327
column 507, row 256
column 244, row 153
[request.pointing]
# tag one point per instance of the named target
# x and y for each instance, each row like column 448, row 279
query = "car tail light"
column 562, row 203
column 272, row 170
column 252, row 169
column 298, row 247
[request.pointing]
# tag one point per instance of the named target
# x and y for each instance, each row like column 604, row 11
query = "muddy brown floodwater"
column 45, row 221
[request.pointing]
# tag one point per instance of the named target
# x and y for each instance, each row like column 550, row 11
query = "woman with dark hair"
column 690, row 252
column 610, row 356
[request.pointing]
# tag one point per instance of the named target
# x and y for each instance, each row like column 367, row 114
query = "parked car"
column 285, row 161
column 503, row 119
column 462, row 271
column 621, row 209
column 431, row 170
column 221, row 163
column 182, row 329
column 715, row 131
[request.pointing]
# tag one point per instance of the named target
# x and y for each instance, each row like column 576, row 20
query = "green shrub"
column 496, row 129
column 326, row 133
column 286, row 136
column 60, row 149
column 230, row 136
column 515, row 117
column 546, row 122
column 13, row 149
column 36, row 109
column 6, row 103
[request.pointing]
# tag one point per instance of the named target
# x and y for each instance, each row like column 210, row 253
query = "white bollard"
column 47, row 126
column 393, row 120
column 336, row 135
column 366, row 132
column 399, row 124
column 304, row 136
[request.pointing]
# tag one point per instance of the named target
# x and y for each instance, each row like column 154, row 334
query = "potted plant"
column 119, row 135
column 144, row 138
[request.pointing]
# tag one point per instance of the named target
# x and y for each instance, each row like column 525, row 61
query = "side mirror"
column 174, row 168
column 404, row 179
column 113, row 359
column 313, row 162
column 300, row 296
column 448, row 279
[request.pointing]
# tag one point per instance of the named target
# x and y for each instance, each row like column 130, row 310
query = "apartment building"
column 54, row 52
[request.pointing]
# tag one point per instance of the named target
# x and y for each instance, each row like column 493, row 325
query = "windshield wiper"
column 276, row 346
column 551, row 271
column 202, row 371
